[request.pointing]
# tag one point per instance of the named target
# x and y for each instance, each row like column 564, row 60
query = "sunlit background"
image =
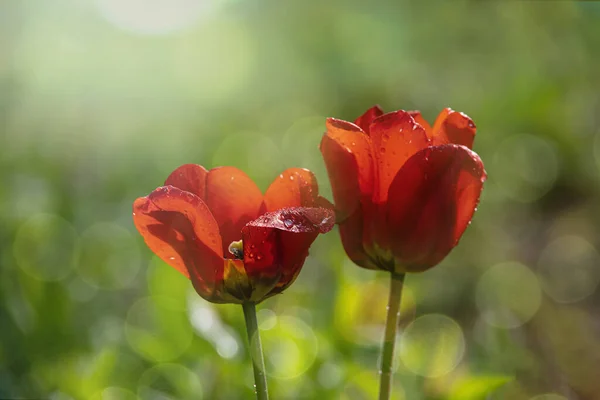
column 101, row 99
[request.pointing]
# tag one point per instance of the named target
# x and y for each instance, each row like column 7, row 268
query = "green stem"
column 256, row 351
column 389, row 339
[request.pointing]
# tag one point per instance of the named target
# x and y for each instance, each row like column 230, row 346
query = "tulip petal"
column 431, row 202
column 234, row 200
column 395, row 138
column 347, row 154
column 277, row 243
column 453, row 127
column 364, row 121
column 190, row 178
column 294, row 187
column 179, row 228
column 421, row 121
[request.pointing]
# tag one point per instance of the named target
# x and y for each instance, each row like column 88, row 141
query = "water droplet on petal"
column 288, row 223
column 291, row 177
column 258, row 257
column 382, row 149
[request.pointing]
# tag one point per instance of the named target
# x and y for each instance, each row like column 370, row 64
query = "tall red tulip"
column 196, row 221
column 404, row 191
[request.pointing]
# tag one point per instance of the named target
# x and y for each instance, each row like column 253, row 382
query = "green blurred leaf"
column 477, row 387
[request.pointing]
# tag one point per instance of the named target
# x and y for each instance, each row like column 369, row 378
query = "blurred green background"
column 101, row 100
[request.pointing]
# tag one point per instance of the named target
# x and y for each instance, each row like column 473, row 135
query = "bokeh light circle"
column 330, row 375
column 525, row 167
column 292, row 348
column 170, row 381
column 508, row 295
column 158, row 329
column 267, row 319
column 46, row 246
column 569, row 269
column 110, row 257
column 227, row 346
column 432, row 345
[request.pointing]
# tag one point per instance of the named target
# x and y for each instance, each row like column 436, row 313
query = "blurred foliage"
column 100, row 100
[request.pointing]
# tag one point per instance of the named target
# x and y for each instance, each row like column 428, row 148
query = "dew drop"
column 258, row 257
column 382, row 149
column 291, row 177
column 252, row 246
column 281, row 176
column 288, row 223
column 414, row 127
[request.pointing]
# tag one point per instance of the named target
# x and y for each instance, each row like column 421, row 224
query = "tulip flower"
column 235, row 244
column 404, row 193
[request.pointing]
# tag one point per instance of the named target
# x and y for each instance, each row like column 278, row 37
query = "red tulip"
column 404, row 191
column 196, row 221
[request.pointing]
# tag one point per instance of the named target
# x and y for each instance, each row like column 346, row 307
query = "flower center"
column 237, row 249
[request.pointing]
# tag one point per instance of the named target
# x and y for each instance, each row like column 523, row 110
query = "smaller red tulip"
column 236, row 245
column 404, row 191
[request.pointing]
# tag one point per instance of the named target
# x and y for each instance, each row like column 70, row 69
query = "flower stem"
column 389, row 339
column 256, row 351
